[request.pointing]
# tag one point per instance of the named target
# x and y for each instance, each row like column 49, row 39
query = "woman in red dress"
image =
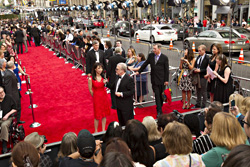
column 102, row 105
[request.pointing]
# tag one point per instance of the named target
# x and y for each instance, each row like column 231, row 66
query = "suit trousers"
column 158, row 90
column 202, row 92
column 26, row 46
column 4, row 135
column 29, row 39
column 37, row 41
column 112, row 93
column 124, row 116
column 19, row 44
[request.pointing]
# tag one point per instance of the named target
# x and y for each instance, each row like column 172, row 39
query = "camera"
column 179, row 116
column 45, row 140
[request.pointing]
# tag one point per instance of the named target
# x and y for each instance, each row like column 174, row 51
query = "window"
column 212, row 35
column 204, row 34
column 163, row 27
column 226, row 35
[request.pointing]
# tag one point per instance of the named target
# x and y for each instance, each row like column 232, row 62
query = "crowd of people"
column 208, row 139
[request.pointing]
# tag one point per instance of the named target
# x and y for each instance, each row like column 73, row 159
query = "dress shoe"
column 21, row 122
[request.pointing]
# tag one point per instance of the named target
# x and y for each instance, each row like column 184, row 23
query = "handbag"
column 167, row 95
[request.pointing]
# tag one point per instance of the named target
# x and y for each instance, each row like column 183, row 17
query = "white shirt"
column 118, row 82
column 97, row 56
column 201, row 59
column 69, row 37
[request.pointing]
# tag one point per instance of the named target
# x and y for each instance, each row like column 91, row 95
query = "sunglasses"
column 244, row 122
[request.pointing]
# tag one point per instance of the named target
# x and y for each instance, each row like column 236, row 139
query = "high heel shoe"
column 184, row 105
column 188, row 106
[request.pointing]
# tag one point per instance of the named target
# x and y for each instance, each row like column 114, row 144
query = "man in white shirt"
column 69, row 37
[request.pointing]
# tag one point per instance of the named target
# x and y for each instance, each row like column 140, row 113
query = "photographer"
column 38, row 141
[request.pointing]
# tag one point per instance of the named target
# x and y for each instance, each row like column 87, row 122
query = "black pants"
column 124, row 116
column 19, row 44
column 158, row 89
column 37, row 41
column 112, row 93
column 29, row 39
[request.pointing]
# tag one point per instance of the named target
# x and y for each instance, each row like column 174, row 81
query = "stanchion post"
column 24, row 81
column 34, row 124
column 27, row 78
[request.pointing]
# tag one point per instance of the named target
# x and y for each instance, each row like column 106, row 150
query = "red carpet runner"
column 61, row 93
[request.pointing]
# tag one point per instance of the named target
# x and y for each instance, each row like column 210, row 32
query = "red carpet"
column 61, row 93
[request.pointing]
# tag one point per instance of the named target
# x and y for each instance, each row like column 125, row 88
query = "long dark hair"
column 223, row 60
column 219, row 48
column 136, row 136
column 190, row 55
column 93, row 73
column 114, row 130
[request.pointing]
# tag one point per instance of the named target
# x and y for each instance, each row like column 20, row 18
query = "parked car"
column 98, row 23
column 160, row 32
column 242, row 32
column 211, row 37
column 87, row 23
column 121, row 28
column 180, row 30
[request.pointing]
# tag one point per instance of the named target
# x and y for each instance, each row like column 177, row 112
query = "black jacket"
column 159, row 71
column 113, row 61
column 91, row 60
column 203, row 66
column 19, row 36
column 108, row 53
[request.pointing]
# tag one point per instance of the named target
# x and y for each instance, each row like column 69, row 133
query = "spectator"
column 223, row 24
column 177, row 139
column 136, row 136
column 9, row 43
column 226, row 134
column 25, row 154
column 4, row 50
column 204, row 143
column 154, row 136
column 116, row 159
column 86, row 146
column 131, row 57
column 244, row 23
column 68, row 146
column 245, row 105
column 239, row 156
column 192, row 122
column 8, row 107
column 141, row 80
column 38, row 141
column 118, row 145
column 238, row 98
column 69, row 37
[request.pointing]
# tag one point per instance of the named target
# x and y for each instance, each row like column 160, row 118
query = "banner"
column 25, row 2
column 63, row 2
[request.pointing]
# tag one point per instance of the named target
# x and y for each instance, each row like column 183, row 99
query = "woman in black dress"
column 216, row 50
column 224, row 81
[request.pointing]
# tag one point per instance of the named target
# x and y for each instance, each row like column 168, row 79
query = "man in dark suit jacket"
column 159, row 74
column 94, row 56
column 118, row 43
column 201, row 64
column 19, row 39
column 124, row 91
column 111, row 73
column 11, row 87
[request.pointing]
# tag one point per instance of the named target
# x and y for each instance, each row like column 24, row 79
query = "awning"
column 222, row 10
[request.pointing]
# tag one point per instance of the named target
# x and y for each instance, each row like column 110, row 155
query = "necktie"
column 156, row 58
column 200, row 61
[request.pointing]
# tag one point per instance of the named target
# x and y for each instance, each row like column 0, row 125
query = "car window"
column 242, row 30
column 204, row 34
column 212, row 35
column 152, row 28
column 226, row 35
column 164, row 27
column 176, row 26
column 145, row 28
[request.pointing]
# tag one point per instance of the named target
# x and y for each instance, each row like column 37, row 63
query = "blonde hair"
column 151, row 126
column 238, row 100
column 227, row 131
column 177, row 138
column 245, row 105
column 133, row 53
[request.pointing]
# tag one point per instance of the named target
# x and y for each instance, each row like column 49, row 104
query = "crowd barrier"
column 64, row 48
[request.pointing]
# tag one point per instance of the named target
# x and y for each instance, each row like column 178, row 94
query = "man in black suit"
column 159, row 74
column 124, row 91
column 94, row 56
column 111, row 73
column 11, row 87
column 118, row 43
column 201, row 64
column 19, row 39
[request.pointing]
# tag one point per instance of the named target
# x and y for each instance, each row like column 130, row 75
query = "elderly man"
column 11, row 87
column 111, row 73
column 8, row 108
column 124, row 91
